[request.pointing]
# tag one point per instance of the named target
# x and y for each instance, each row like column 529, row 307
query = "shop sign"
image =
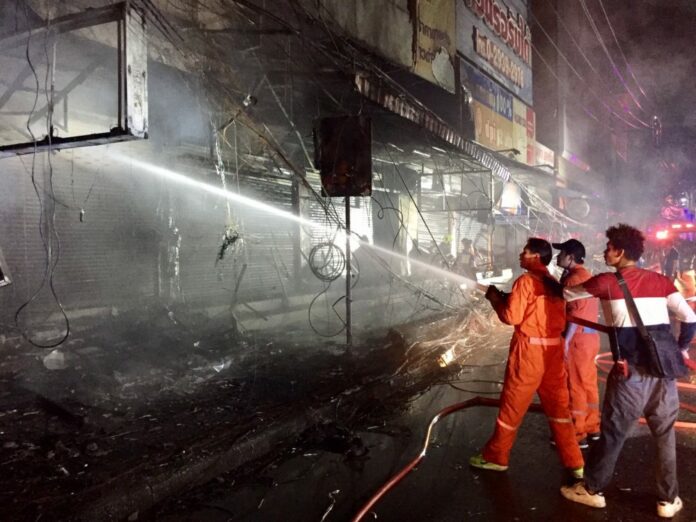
column 543, row 155
column 531, row 124
column 492, row 130
column 486, row 91
column 531, row 136
column 519, row 129
column 435, row 42
column 575, row 160
column 493, row 109
column 496, row 37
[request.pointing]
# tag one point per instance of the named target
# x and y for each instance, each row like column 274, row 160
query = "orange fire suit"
column 686, row 284
column 535, row 364
column 581, row 348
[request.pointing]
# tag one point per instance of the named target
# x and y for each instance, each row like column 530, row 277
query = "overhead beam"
column 57, row 143
column 78, row 80
column 16, row 84
column 132, row 97
column 64, row 24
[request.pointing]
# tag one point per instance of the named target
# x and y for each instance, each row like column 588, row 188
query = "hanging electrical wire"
column 559, row 19
column 415, row 203
column 80, row 207
column 48, row 236
column 618, row 45
column 615, row 69
column 562, row 85
column 338, row 52
column 327, row 262
column 152, row 14
column 590, row 89
column 556, row 216
column 232, row 235
column 589, row 63
column 353, row 54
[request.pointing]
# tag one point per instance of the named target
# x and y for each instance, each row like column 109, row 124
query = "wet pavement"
column 317, row 433
column 316, row 484
column 124, row 424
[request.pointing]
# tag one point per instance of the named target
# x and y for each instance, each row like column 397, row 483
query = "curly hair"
column 536, row 245
column 627, row 238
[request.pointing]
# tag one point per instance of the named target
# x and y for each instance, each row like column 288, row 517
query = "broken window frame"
column 132, row 77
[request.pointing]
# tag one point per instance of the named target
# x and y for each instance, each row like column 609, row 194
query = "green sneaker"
column 478, row 461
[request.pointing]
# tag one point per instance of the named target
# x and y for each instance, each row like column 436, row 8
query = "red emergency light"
column 679, row 231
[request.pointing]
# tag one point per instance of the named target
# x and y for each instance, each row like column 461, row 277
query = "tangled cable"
column 327, row 261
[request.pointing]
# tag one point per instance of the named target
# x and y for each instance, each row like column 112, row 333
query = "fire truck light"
column 676, row 225
column 689, row 225
column 662, row 234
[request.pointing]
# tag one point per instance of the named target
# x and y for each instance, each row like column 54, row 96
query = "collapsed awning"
column 542, row 179
column 408, row 107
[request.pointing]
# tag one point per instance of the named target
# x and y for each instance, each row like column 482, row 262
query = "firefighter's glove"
column 493, row 294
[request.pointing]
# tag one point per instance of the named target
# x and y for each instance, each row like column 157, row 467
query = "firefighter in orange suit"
column 535, row 307
column 581, row 345
column 686, row 284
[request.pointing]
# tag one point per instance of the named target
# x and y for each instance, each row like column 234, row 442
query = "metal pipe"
column 120, row 47
column 349, row 333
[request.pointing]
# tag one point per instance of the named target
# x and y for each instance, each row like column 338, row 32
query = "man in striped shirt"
column 639, row 393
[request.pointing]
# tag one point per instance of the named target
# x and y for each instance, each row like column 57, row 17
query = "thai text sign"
column 485, row 90
column 496, row 37
column 435, row 42
column 492, row 108
column 491, row 129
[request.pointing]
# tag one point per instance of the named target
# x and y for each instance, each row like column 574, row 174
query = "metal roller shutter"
column 267, row 247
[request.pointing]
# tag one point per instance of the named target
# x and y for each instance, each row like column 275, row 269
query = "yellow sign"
column 519, row 129
column 435, row 44
column 492, row 130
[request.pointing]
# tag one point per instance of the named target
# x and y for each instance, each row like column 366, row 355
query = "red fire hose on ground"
column 602, row 364
column 476, row 401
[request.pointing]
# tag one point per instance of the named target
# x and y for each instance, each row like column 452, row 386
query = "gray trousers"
column 625, row 400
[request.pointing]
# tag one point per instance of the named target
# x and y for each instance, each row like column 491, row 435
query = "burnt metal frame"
column 132, row 77
column 63, row 93
column 5, row 278
column 16, row 84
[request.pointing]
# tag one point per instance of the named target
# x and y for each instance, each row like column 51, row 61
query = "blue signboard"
column 486, row 91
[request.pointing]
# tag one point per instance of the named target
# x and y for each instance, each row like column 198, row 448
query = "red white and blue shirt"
column 655, row 297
